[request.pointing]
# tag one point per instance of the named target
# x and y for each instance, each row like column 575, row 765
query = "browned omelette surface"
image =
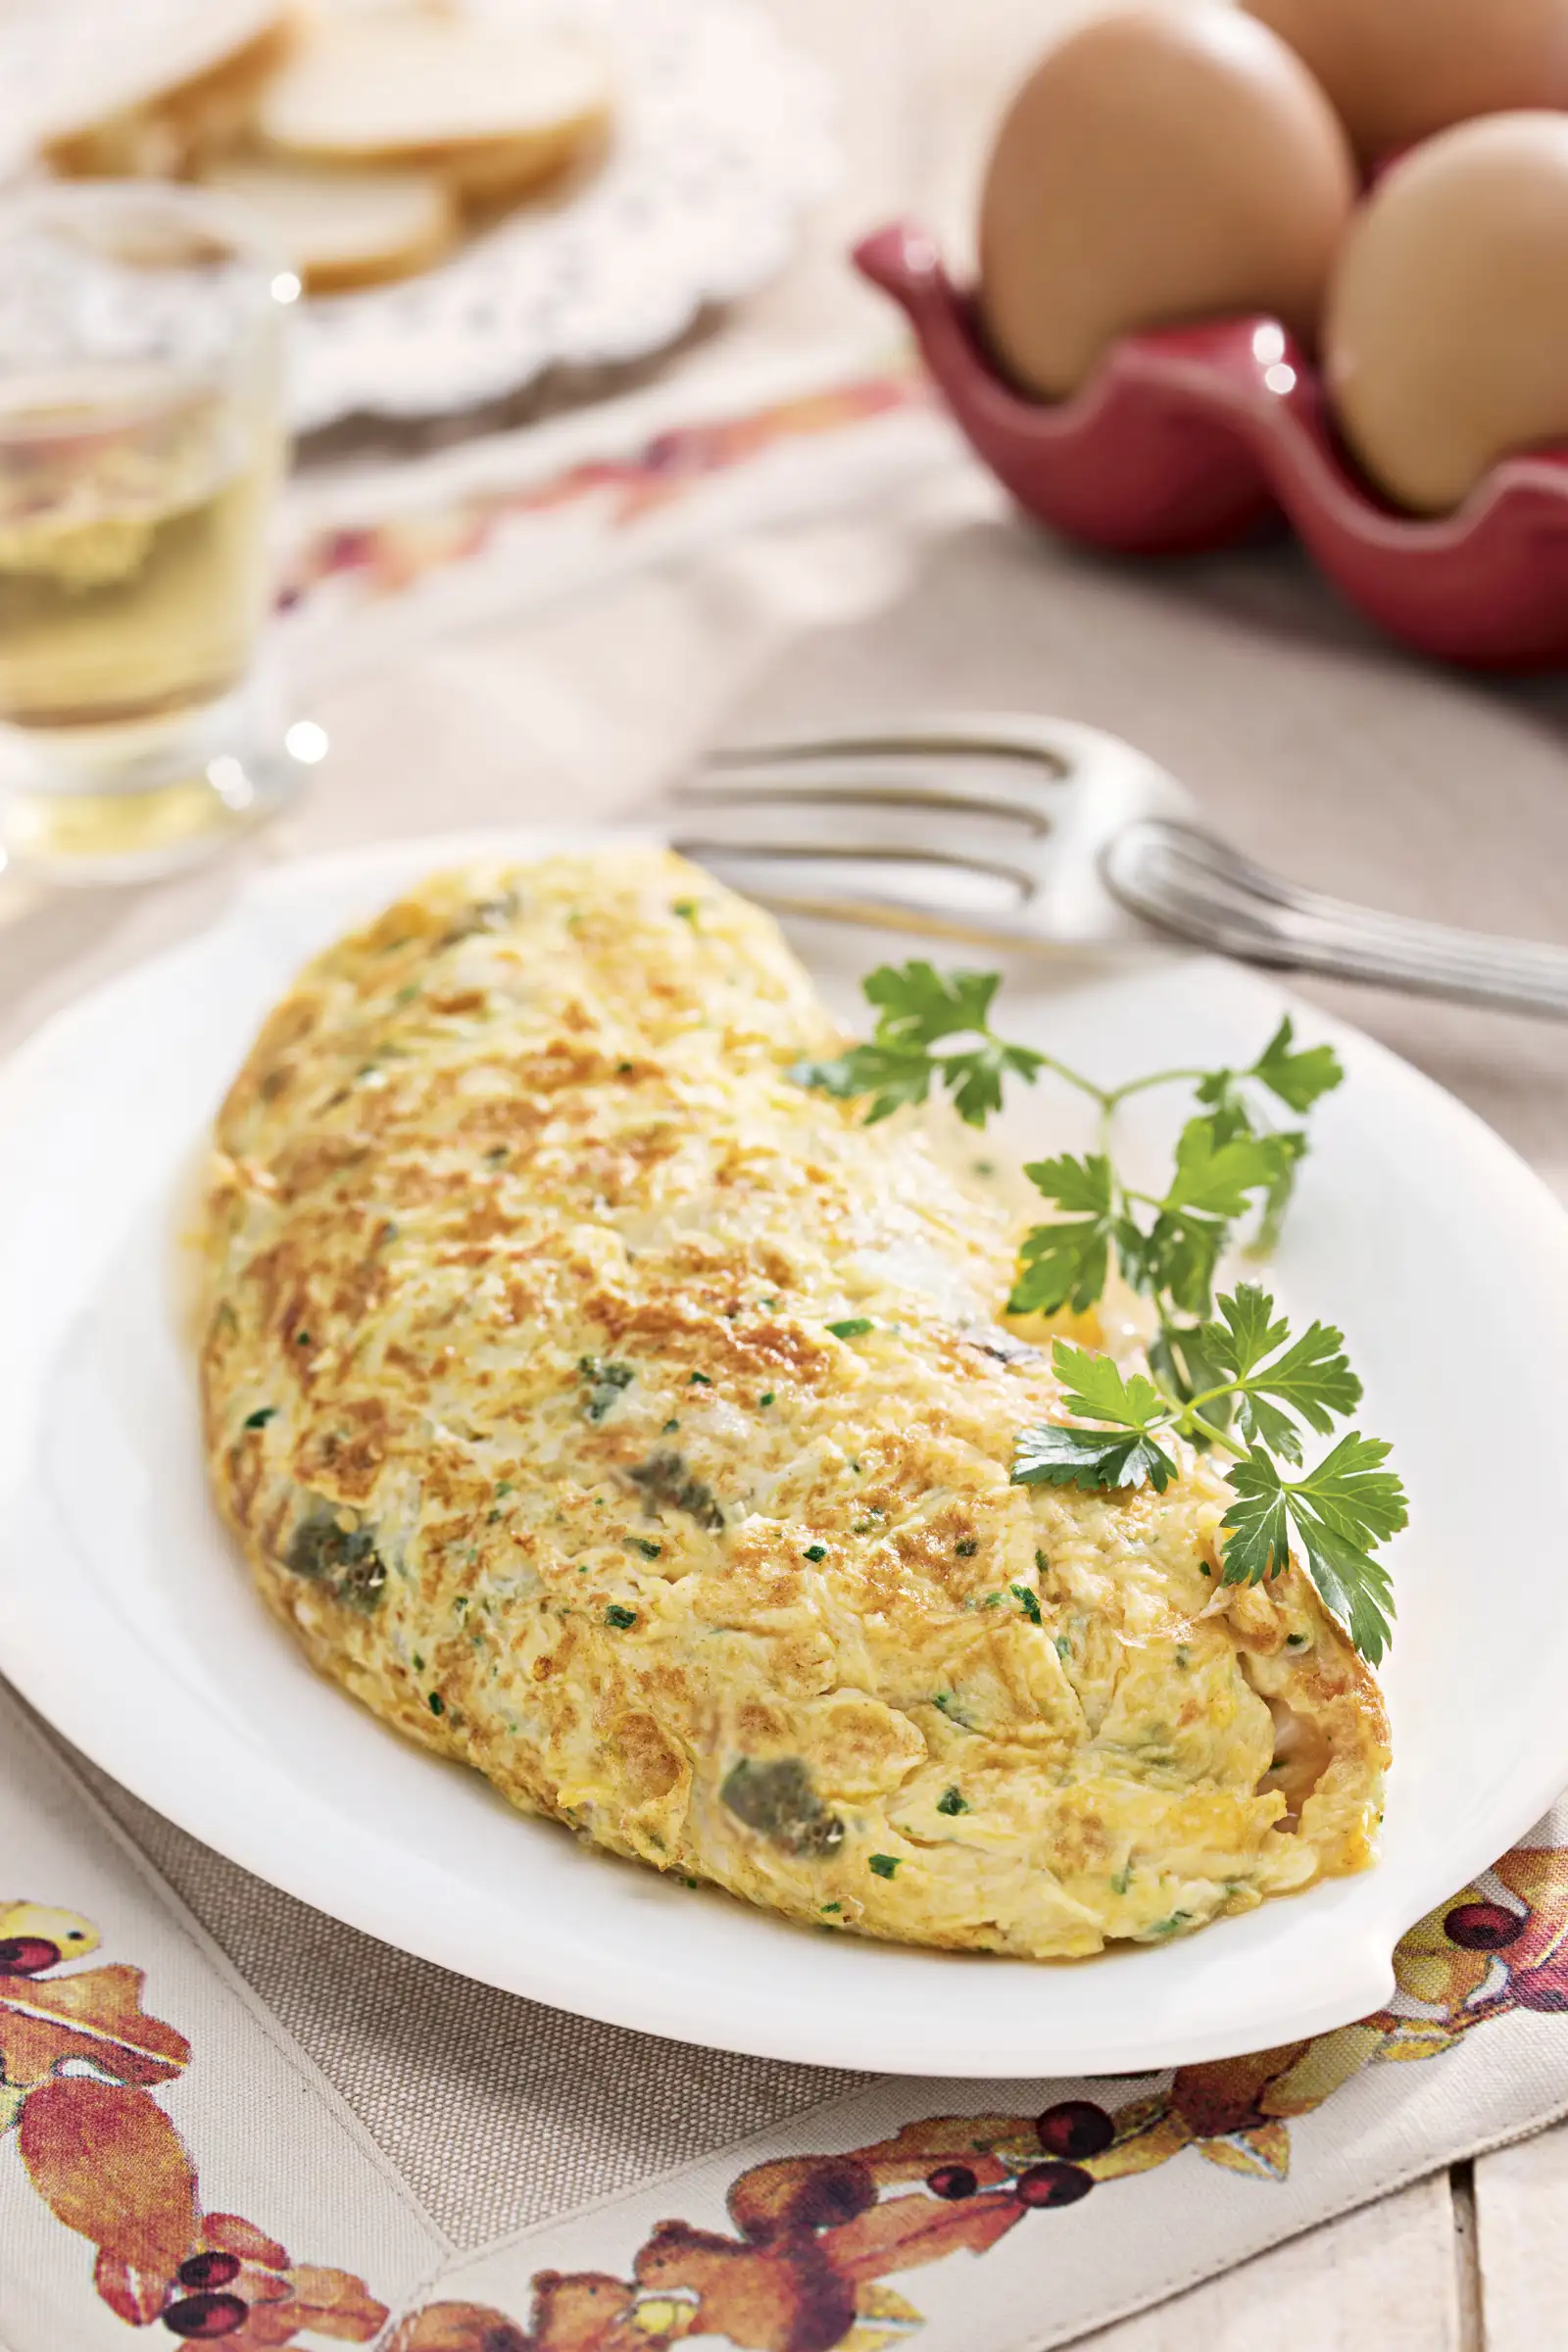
column 523, row 1258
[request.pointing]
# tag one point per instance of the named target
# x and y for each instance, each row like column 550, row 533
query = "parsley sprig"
column 1224, row 1373
column 1266, row 1385
column 917, row 1007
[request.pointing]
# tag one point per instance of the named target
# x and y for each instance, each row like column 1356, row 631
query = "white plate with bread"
column 470, row 191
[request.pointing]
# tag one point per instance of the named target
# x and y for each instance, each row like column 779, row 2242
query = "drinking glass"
column 141, row 447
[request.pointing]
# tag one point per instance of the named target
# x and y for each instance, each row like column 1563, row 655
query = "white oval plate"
column 126, row 1617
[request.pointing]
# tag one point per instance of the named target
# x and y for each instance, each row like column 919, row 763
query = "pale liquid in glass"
column 141, row 446
column 132, row 578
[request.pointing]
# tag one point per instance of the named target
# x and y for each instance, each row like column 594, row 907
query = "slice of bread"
column 495, row 108
column 166, row 90
column 343, row 228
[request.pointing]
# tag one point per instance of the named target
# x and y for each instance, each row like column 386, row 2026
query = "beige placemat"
column 238, row 2117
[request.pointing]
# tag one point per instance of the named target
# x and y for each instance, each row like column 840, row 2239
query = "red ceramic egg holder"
column 1187, row 438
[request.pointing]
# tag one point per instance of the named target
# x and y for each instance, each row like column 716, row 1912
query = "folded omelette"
column 601, row 1406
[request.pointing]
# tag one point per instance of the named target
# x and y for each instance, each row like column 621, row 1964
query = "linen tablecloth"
column 233, row 2118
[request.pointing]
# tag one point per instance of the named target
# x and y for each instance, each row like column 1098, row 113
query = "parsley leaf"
column 1292, row 1144
column 1301, row 1077
column 1176, row 1358
column 1060, row 1265
column 1246, row 1332
column 1223, row 1096
column 1353, row 1494
column 918, row 1005
column 974, row 1078
column 1275, row 1384
column 1220, row 1163
column 1178, row 1257
column 1048, row 1455
column 1297, row 1076
column 1094, row 1386
column 893, row 1080
column 1355, row 1588
column 1337, row 1513
column 1217, row 1174
column 1312, row 1378
column 1067, row 1263
column 1125, row 1455
column 1081, row 1186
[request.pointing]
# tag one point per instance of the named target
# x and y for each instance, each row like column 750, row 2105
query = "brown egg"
column 1156, row 169
column 1400, row 70
column 1445, row 344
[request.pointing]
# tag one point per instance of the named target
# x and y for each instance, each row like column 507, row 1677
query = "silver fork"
column 1014, row 831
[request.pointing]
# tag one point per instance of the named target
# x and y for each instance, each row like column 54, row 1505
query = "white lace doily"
column 722, row 138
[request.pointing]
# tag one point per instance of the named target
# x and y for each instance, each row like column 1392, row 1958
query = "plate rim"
column 214, row 1811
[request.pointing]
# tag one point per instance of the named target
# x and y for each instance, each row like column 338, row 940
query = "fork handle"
column 1187, row 883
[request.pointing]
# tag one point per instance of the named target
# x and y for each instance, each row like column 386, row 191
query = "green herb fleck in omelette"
column 731, row 1357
